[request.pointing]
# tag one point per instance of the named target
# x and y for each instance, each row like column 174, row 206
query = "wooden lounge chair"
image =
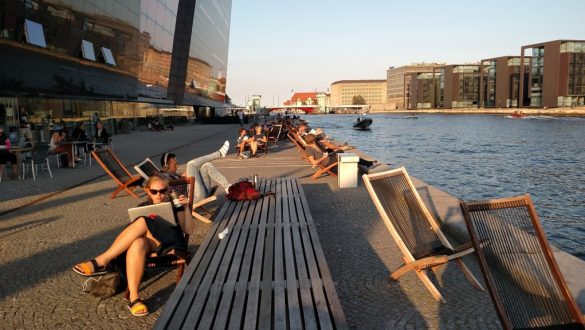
column 294, row 138
column 274, row 134
column 112, row 165
column 522, row 276
column 301, row 146
column 173, row 258
column 413, row 228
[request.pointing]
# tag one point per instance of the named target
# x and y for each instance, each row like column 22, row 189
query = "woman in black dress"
column 143, row 236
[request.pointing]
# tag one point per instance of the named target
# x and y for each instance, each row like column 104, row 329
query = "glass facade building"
column 67, row 59
column 556, row 74
column 500, row 81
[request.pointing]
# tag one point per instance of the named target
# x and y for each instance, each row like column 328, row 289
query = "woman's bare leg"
column 135, row 261
column 123, row 242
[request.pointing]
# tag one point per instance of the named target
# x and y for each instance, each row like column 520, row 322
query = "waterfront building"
column 556, row 75
column 447, row 87
column 311, row 99
column 372, row 91
column 398, row 81
column 461, row 86
column 500, row 81
column 68, row 59
column 423, row 90
column 302, row 98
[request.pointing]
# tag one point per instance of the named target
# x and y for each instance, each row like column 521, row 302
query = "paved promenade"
column 40, row 243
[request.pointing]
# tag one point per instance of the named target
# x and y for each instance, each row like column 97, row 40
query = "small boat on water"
column 517, row 114
column 411, row 117
column 362, row 123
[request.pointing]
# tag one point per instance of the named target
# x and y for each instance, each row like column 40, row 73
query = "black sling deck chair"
column 112, row 165
column 520, row 271
column 413, row 228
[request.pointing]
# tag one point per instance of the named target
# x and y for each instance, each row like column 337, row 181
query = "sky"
column 278, row 47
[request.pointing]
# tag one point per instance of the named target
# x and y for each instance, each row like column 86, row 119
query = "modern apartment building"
column 446, row 87
column 423, row 90
column 372, row 91
column 399, row 80
column 500, row 81
column 556, row 74
column 66, row 59
column 461, row 86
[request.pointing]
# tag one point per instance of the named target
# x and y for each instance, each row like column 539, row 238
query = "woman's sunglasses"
column 155, row 191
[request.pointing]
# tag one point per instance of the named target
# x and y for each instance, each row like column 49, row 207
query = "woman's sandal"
column 89, row 268
column 137, row 305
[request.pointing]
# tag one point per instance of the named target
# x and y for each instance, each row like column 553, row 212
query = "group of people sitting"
column 59, row 143
column 145, row 235
column 257, row 139
column 320, row 150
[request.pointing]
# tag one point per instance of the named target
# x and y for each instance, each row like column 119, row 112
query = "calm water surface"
column 482, row 156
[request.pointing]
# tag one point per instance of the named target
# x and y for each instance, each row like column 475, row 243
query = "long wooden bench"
column 269, row 272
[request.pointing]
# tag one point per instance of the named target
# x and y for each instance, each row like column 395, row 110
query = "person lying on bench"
column 141, row 237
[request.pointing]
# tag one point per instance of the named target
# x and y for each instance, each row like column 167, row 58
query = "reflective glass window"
column 87, row 50
column 34, row 33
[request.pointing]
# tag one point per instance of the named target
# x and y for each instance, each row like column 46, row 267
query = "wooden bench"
column 269, row 272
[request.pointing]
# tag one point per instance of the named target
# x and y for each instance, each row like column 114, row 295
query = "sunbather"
column 256, row 140
column 316, row 156
column 240, row 142
column 201, row 169
column 143, row 236
column 332, row 154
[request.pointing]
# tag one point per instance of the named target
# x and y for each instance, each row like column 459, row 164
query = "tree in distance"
column 358, row 100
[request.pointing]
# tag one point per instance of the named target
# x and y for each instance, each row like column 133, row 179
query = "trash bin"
column 347, row 170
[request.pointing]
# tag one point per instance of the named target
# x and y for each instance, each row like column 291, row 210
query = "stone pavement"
column 40, row 243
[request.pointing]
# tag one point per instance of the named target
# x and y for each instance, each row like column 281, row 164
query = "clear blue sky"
column 279, row 46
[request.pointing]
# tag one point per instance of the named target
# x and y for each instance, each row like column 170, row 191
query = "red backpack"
column 244, row 191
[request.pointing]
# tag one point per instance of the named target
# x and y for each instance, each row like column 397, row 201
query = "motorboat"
column 517, row 114
column 411, row 117
column 362, row 123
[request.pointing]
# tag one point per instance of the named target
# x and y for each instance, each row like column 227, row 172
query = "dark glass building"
column 67, row 59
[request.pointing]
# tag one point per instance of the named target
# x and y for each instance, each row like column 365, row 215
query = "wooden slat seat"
column 268, row 272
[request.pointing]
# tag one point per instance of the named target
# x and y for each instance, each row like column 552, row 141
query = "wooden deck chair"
column 173, row 258
column 146, row 168
column 299, row 144
column 199, row 205
column 274, row 134
column 322, row 169
column 413, row 228
column 112, row 165
column 522, row 276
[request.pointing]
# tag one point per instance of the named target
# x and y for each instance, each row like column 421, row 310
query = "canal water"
column 486, row 156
